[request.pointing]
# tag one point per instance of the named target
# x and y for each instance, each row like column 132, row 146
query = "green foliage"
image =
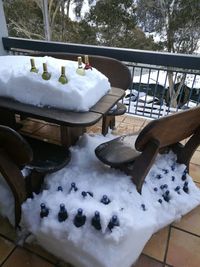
column 24, row 19
column 177, row 21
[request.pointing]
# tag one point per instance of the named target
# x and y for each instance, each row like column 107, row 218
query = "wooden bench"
column 117, row 73
column 135, row 154
column 39, row 157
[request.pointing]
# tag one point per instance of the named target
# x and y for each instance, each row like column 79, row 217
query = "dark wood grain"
column 159, row 135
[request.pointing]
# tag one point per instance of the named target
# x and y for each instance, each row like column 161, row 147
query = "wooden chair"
column 39, row 157
column 117, row 73
column 135, row 154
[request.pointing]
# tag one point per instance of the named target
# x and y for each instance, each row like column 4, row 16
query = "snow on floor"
column 80, row 93
column 168, row 193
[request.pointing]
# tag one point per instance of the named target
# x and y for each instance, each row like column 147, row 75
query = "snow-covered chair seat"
column 135, row 154
column 39, row 158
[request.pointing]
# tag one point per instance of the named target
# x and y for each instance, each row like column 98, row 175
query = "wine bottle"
column 45, row 75
column 44, row 211
column 87, row 64
column 73, row 187
column 60, row 188
column 33, row 68
column 113, row 222
column 96, row 221
column 79, row 219
column 80, row 70
column 105, row 200
column 63, row 78
column 84, row 194
column 62, row 214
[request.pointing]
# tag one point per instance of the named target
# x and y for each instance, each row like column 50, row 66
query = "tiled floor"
column 177, row 245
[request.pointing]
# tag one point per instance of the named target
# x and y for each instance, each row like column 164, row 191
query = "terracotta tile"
column 120, row 118
column 23, row 258
column 145, row 261
column 195, row 172
column 95, row 129
column 49, row 132
column 190, row 222
column 134, row 120
column 183, row 249
column 156, row 246
column 7, row 230
column 196, row 158
column 5, row 248
column 41, row 252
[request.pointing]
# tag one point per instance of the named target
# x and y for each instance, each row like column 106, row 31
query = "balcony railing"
column 154, row 74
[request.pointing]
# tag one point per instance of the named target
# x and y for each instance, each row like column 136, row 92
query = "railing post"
column 3, row 28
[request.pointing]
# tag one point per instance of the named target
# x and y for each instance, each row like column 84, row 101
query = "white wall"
column 3, row 28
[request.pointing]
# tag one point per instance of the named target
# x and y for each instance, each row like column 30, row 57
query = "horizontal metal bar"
column 123, row 54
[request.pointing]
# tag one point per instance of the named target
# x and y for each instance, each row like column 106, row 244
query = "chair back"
column 170, row 129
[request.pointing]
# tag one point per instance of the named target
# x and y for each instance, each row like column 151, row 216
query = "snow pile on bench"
column 79, row 94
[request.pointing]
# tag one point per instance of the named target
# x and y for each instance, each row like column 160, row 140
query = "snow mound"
column 79, row 94
column 168, row 193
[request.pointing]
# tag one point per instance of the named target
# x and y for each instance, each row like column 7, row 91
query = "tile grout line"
column 38, row 255
column 185, row 231
column 167, row 246
column 8, row 256
column 152, row 258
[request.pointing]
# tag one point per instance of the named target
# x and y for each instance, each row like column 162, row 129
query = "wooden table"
column 72, row 124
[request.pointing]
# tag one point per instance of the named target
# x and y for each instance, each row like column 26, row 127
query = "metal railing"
column 163, row 83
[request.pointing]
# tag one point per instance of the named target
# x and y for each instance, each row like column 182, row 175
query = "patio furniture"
column 134, row 154
column 117, row 73
column 72, row 124
column 37, row 156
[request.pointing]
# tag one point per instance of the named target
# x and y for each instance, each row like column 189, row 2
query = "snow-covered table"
column 79, row 103
column 72, row 123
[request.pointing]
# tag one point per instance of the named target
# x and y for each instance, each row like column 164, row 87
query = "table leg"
column 7, row 118
column 70, row 135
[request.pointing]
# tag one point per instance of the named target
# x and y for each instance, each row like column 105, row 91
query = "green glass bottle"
column 33, row 68
column 63, row 78
column 45, row 75
column 80, row 70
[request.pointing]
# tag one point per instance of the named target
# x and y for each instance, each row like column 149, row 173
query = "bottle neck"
column 44, row 67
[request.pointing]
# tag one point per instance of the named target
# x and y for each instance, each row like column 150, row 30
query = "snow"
column 79, row 94
column 139, row 215
column 87, row 247
column 160, row 77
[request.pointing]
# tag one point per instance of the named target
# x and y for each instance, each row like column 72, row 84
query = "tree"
column 178, row 24
column 114, row 22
